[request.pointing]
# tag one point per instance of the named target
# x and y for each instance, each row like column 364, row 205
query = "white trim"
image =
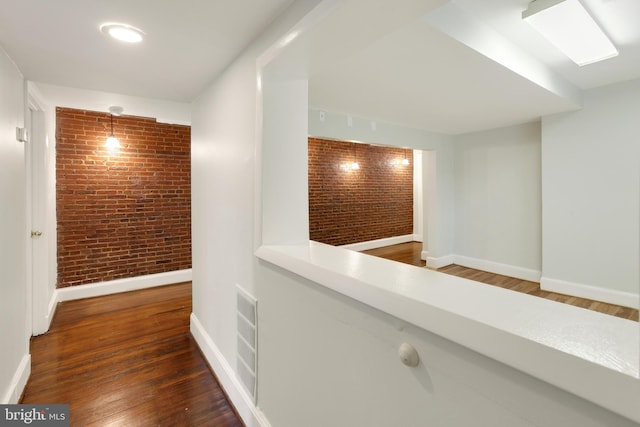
column 417, row 238
column 439, row 262
column 251, row 415
column 610, row 296
column 379, row 243
column 35, row 99
column 424, row 255
column 498, row 268
column 122, row 285
column 51, row 311
column 19, row 381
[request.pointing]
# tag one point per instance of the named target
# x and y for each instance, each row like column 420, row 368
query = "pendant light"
column 355, row 166
column 112, row 143
column 405, row 161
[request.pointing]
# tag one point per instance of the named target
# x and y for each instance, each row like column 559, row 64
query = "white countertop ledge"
column 589, row 354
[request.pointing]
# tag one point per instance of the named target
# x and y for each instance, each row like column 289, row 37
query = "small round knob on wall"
column 408, row 355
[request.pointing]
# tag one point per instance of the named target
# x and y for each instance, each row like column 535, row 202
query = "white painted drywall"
column 328, row 360
column 92, row 100
column 222, row 162
column 14, row 333
column 498, row 196
column 284, row 154
column 590, row 190
column 224, row 133
column 418, row 205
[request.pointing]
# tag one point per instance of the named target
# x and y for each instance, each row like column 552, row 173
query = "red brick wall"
column 350, row 206
column 121, row 215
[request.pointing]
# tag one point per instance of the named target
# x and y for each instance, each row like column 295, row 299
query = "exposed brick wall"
column 349, row 206
column 121, row 215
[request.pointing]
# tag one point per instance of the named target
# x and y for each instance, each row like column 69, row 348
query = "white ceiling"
column 446, row 66
column 188, row 42
column 469, row 65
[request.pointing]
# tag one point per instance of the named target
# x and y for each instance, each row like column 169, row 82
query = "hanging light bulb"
column 355, row 166
column 112, row 143
column 405, row 161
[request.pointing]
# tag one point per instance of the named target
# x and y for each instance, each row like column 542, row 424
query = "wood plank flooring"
column 127, row 360
column 409, row 253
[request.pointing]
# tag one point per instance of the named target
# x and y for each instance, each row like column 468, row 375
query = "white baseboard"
column 439, row 262
column 417, row 238
column 122, row 285
column 51, row 311
column 424, row 255
column 251, row 415
column 498, row 268
column 18, row 382
column 42, row 327
column 610, row 296
column 379, row 243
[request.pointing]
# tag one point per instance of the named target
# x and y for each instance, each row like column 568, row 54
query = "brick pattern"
column 121, row 215
column 349, row 206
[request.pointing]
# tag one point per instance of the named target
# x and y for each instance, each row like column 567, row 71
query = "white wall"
column 14, row 326
column 327, row 360
column 498, row 196
column 418, row 205
column 92, row 100
column 223, row 173
column 590, row 183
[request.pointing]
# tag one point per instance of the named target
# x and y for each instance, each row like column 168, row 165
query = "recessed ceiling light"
column 122, row 32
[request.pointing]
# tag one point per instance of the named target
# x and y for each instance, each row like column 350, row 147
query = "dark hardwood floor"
column 409, row 253
column 127, row 360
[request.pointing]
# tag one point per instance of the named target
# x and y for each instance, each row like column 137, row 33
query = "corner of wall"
column 439, row 262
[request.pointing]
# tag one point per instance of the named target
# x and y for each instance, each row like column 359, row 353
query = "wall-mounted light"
column 112, row 143
column 568, row 25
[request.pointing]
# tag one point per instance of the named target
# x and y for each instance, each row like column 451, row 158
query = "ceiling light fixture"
column 568, row 25
column 123, row 32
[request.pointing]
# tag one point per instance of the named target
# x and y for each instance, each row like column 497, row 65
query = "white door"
column 37, row 198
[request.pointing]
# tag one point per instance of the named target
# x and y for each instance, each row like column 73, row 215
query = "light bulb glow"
column 123, row 32
column 112, row 143
column 405, row 161
column 355, row 166
column 568, row 26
